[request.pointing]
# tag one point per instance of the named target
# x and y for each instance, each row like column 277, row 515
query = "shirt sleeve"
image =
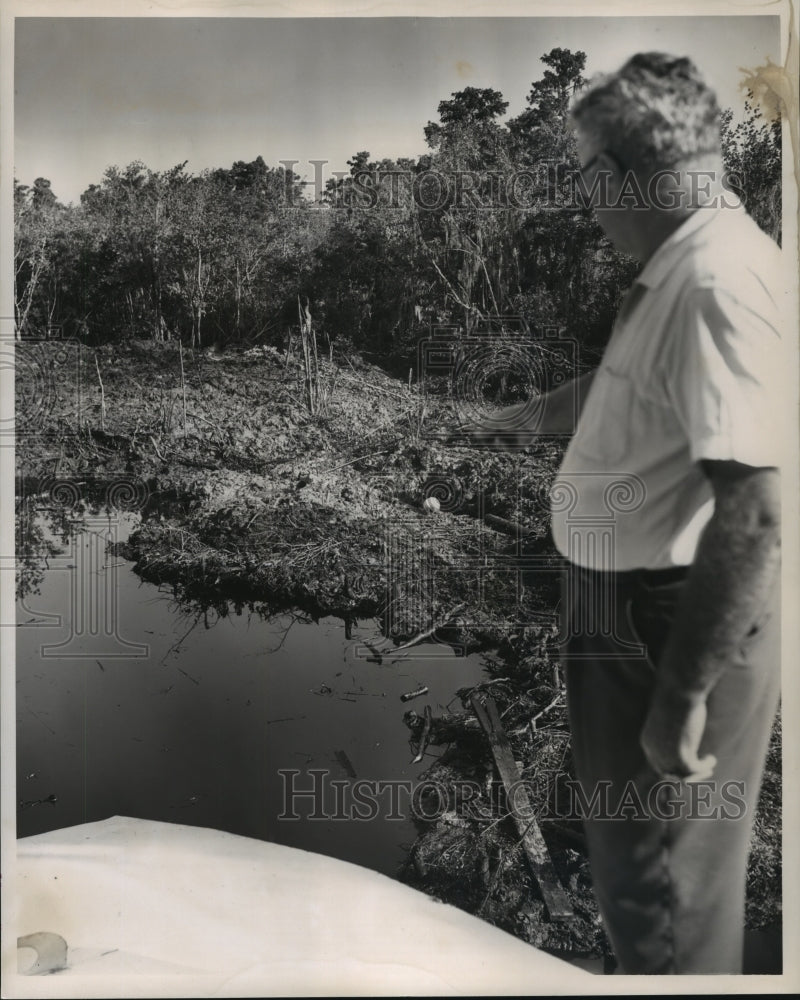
column 725, row 380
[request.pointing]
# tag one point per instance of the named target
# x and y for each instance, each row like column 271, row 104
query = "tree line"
column 484, row 224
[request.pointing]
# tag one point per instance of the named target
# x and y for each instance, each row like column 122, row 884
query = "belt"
column 631, row 578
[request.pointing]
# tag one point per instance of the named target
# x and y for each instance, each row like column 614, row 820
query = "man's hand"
column 518, row 426
column 672, row 734
column 727, row 589
column 507, row 433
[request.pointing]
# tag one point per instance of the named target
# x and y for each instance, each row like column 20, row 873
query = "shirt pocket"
column 604, row 431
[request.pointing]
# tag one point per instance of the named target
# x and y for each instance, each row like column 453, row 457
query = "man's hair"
column 652, row 114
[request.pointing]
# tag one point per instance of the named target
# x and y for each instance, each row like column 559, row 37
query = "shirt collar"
column 673, row 248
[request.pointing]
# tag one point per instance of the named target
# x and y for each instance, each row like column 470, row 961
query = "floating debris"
column 346, row 763
column 414, row 694
column 50, row 800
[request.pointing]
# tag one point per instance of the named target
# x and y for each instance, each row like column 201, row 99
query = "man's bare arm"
column 728, row 586
column 564, row 404
column 512, row 428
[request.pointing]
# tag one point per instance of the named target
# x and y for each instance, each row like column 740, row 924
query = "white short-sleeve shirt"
column 692, row 371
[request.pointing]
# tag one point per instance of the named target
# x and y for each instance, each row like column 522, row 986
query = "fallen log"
column 519, row 804
column 505, row 526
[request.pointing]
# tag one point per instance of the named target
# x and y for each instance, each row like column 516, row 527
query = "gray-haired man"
column 671, row 642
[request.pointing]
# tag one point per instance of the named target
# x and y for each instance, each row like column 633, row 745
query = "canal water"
column 131, row 704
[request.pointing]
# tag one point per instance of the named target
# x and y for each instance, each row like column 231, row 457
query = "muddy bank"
column 245, row 493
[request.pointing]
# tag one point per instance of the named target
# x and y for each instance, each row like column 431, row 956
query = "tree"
column 36, row 220
column 42, row 197
column 751, row 152
column 541, row 131
column 468, row 127
column 396, row 243
column 366, row 277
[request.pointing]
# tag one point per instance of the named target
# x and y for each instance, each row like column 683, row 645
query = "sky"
column 92, row 92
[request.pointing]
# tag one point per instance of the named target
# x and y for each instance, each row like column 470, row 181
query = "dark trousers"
column 668, row 860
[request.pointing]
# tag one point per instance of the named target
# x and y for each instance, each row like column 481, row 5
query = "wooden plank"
column 519, row 803
column 504, row 526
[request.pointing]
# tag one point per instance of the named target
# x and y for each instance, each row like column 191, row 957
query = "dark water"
column 128, row 704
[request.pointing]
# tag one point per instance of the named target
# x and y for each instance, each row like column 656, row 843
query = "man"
column 671, row 641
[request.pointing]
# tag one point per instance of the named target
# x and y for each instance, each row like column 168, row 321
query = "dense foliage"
column 481, row 225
